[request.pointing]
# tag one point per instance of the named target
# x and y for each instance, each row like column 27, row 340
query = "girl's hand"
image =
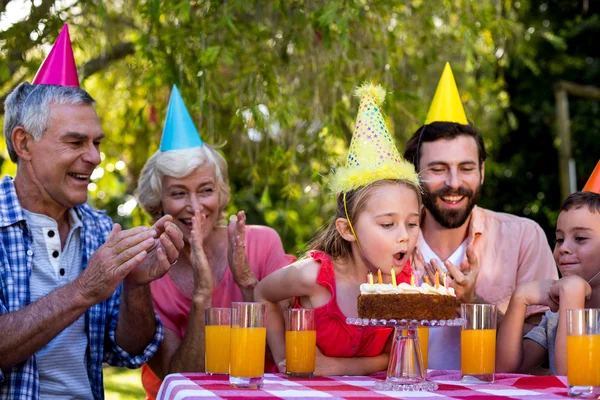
column 281, row 366
column 203, row 277
column 236, row 252
column 570, row 286
column 325, row 366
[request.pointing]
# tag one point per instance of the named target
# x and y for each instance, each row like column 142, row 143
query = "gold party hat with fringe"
column 372, row 155
column 446, row 105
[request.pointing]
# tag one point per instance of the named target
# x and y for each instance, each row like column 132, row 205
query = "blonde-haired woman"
column 221, row 265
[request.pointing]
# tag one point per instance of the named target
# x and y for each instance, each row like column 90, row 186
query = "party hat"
column 446, row 105
column 593, row 184
column 59, row 66
column 179, row 132
column 372, row 155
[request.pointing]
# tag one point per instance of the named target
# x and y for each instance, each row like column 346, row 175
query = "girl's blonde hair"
column 179, row 164
column 329, row 240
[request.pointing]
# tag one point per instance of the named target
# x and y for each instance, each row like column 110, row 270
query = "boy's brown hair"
column 577, row 200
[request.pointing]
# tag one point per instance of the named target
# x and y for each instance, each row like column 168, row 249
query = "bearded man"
column 485, row 253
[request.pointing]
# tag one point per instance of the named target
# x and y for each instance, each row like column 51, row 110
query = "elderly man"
column 63, row 310
column 485, row 252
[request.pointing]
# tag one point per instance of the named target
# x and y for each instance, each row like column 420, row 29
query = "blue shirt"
column 16, row 260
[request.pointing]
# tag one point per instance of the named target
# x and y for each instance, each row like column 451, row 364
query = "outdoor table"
column 278, row 386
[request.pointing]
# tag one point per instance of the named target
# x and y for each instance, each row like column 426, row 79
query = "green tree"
column 271, row 83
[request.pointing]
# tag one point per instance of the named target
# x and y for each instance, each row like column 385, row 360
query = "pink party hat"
column 59, row 66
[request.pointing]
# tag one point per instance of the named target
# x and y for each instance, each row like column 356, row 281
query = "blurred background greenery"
column 271, row 82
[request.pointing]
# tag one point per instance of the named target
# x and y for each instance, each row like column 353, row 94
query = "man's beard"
column 447, row 217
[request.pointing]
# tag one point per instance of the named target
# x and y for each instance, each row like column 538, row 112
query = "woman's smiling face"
column 181, row 197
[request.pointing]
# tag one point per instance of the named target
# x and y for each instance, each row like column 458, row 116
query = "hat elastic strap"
column 350, row 224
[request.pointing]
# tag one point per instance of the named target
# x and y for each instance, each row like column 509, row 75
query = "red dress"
column 335, row 338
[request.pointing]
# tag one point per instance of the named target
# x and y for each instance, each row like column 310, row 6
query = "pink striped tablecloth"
column 276, row 386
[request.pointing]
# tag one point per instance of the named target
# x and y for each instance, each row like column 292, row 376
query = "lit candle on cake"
column 412, row 280
column 446, row 280
column 394, row 277
column 437, row 279
column 427, row 280
column 379, row 280
column 370, row 280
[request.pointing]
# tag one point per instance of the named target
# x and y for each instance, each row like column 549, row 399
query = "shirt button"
column 55, row 254
column 29, row 252
column 62, row 272
column 50, row 233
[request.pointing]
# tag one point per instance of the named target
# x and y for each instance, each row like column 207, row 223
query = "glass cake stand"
column 405, row 370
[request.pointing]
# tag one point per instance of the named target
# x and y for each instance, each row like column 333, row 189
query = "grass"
column 123, row 384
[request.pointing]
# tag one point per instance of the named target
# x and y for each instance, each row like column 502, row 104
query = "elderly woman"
column 219, row 264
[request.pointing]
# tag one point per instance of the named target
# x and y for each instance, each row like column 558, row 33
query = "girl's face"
column 388, row 227
column 577, row 243
column 181, row 197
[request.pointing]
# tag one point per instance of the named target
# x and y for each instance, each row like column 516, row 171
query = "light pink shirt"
column 265, row 254
column 509, row 250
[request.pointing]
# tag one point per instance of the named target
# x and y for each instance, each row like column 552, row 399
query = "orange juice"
column 478, row 351
column 583, row 360
column 424, row 343
column 217, row 349
column 300, row 351
column 247, row 352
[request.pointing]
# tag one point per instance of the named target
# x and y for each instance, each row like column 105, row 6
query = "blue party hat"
column 179, row 132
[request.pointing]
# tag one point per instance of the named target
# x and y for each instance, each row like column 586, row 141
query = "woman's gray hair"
column 179, row 164
column 29, row 106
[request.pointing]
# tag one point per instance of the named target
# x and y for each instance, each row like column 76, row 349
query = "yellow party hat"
column 372, row 155
column 446, row 105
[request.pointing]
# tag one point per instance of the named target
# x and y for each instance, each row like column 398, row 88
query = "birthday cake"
column 386, row 301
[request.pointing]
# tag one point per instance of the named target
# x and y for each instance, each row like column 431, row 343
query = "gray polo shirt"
column 62, row 362
column 545, row 335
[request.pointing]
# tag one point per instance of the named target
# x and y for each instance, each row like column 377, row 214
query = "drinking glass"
column 217, row 328
column 478, row 343
column 423, row 333
column 300, row 342
column 583, row 352
column 248, row 342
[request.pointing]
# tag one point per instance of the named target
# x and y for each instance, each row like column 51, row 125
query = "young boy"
column 576, row 255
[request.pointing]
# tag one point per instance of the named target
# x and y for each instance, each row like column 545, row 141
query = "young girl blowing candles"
column 374, row 230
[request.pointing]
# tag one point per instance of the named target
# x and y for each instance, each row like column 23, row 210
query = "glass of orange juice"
column 478, row 343
column 300, row 342
column 248, row 343
column 423, row 334
column 217, row 328
column 583, row 352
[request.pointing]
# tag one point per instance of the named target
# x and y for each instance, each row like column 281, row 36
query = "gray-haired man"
column 63, row 310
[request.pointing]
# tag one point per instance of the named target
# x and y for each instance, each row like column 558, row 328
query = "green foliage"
column 271, row 83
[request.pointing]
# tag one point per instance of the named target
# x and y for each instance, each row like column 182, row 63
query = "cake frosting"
column 405, row 288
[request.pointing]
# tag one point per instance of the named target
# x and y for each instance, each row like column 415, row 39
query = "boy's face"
column 577, row 243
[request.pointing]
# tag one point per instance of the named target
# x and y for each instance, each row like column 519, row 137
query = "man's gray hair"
column 29, row 106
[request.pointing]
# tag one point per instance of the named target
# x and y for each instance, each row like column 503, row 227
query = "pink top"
column 265, row 254
column 510, row 250
column 335, row 338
